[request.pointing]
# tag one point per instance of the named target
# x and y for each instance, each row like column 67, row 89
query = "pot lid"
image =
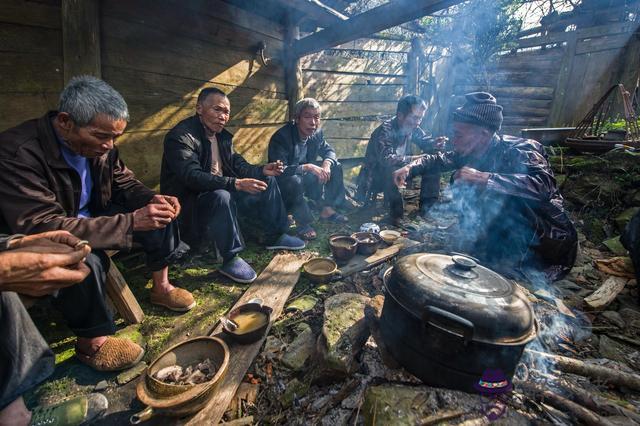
column 457, row 294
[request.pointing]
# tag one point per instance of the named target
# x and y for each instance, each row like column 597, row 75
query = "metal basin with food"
column 181, row 400
column 343, row 248
column 368, row 242
column 389, row 236
column 247, row 323
column 320, row 269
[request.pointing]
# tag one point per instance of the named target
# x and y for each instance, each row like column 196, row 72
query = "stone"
column 614, row 318
column 623, row 218
column 303, row 304
column 301, row 349
column 101, row 385
column 629, row 315
column 344, row 332
column 294, row 389
column 393, row 404
column 272, row 347
column 615, row 246
column 634, row 199
column 130, row 374
column 611, row 349
column 336, row 416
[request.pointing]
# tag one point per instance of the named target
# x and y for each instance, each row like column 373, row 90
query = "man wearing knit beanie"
column 511, row 214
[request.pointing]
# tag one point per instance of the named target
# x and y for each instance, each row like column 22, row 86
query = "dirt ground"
column 598, row 191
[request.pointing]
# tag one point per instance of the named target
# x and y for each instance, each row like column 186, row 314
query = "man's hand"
column 472, row 176
column 252, row 186
column 153, row 216
column 31, row 270
column 273, row 169
column 326, row 166
column 167, row 200
column 440, row 142
column 318, row 172
column 400, row 176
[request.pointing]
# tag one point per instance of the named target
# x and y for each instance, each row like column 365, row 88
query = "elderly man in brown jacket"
column 62, row 172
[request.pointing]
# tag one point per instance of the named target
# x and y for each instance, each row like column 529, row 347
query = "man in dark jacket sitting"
column 200, row 167
column 511, row 212
column 298, row 145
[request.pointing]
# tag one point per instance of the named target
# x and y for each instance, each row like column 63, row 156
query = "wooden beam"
column 370, row 22
column 316, row 10
column 292, row 70
column 81, row 38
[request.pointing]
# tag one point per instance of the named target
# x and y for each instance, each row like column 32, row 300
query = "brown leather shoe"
column 115, row 354
column 178, row 299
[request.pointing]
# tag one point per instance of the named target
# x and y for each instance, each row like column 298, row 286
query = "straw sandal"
column 115, row 354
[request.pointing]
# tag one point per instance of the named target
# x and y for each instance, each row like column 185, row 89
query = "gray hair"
column 85, row 97
column 303, row 104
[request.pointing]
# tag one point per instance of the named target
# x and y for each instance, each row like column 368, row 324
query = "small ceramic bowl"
column 343, row 248
column 251, row 336
column 368, row 242
column 320, row 270
column 389, row 236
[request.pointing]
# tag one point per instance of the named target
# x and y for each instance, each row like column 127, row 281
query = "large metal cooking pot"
column 447, row 319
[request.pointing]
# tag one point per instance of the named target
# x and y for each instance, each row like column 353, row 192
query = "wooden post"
column 81, row 38
column 292, row 70
column 412, row 84
column 558, row 117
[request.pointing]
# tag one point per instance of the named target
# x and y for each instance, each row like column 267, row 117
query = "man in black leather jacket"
column 200, row 167
column 511, row 212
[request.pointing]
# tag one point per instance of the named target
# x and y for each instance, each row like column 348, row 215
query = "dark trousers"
column 294, row 188
column 25, row 358
column 429, row 191
column 217, row 213
column 83, row 305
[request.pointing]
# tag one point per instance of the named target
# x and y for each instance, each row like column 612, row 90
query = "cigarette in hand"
column 80, row 244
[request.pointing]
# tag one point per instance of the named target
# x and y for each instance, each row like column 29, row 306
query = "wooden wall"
column 158, row 54
column 548, row 80
column 31, row 69
column 357, row 92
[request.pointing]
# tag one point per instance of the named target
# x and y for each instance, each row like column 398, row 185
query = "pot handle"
column 141, row 416
column 466, row 325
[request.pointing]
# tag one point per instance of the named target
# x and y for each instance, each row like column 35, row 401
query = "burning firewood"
column 596, row 372
column 581, row 413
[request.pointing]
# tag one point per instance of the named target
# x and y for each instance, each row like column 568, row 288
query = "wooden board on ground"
column 606, row 293
column 273, row 286
column 361, row 263
column 121, row 296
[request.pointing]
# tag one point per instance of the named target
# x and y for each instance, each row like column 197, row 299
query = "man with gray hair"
column 298, row 145
column 63, row 172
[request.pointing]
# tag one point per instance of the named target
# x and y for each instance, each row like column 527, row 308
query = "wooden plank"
column 349, row 148
column 556, row 115
column 38, row 14
column 375, row 45
column 618, row 41
column 349, row 129
column 356, row 110
column 361, row 263
column 525, row 121
column 333, row 78
column 29, row 73
column 370, row 22
column 293, row 71
column 315, row 10
column 273, row 286
column 28, row 39
column 323, row 62
column 514, row 78
column 252, row 142
column 19, row 107
column 120, row 294
column 606, row 293
column 180, row 21
column 134, row 39
column 512, row 92
column 353, row 93
column 80, row 38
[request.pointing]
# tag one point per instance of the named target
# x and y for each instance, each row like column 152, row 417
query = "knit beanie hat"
column 481, row 109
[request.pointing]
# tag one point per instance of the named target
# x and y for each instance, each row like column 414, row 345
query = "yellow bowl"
column 389, row 236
